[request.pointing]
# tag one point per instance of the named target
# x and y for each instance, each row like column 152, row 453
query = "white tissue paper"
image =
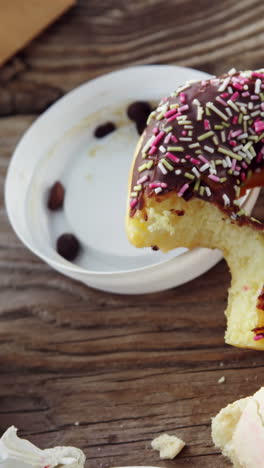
column 20, row 453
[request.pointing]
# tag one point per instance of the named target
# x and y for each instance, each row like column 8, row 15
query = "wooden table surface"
column 124, row 368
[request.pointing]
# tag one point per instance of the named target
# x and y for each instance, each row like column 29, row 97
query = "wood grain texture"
column 125, row 368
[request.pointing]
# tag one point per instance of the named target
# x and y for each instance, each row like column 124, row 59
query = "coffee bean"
column 139, row 111
column 141, row 125
column 68, row 246
column 154, row 247
column 104, row 129
column 56, row 196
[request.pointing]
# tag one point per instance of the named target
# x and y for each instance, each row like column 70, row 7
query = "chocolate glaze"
column 240, row 90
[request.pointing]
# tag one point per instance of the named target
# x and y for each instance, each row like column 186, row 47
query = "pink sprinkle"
column 213, row 177
column 187, row 156
column 183, row 98
column 254, row 97
column 259, row 126
column 167, row 138
column 203, row 82
column 245, row 94
column 154, row 185
column 183, row 108
column 243, row 81
column 236, row 133
column 244, row 165
column 158, row 138
column 258, row 337
column 238, row 168
column 262, row 86
column 224, row 95
column 203, row 159
column 174, row 139
column 152, row 150
column 170, row 112
column 235, row 96
column 195, row 161
column 133, row 203
column 233, row 166
column 182, row 190
column 233, row 143
column 155, row 130
column 243, row 176
column 235, row 120
column 184, row 132
column 237, row 86
column 172, row 157
column 229, row 135
column 170, row 119
column 257, row 74
column 163, row 185
column 142, row 179
column 207, row 125
column 219, row 99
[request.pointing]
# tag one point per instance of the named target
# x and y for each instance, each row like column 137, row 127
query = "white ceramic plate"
column 60, row 146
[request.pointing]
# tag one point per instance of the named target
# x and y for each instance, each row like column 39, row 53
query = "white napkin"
column 20, row 453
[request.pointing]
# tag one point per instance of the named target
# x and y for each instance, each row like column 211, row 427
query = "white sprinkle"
column 162, row 168
column 262, row 114
column 233, row 105
column 228, row 161
column 232, row 71
column 224, row 84
column 241, row 153
column 209, row 149
column 76, row 423
column 236, row 173
column 212, row 171
column 240, row 104
column 188, row 127
column 250, row 105
column 215, row 140
column 196, row 102
column 178, row 171
column 242, row 136
column 158, row 190
column 208, row 191
column 224, row 163
column 226, row 199
column 228, row 111
column 246, row 117
column 223, row 136
column 245, row 87
column 182, row 88
column 185, row 139
column 196, row 172
column 257, row 86
column 230, row 90
column 237, row 148
column 162, row 149
column 204, row 167
column 194, row 145
column 255, row 113
column 217, row 111
column 181, row 117
column 200, row 112
column 148, row 144
column 221, row 380
column 163, row 107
